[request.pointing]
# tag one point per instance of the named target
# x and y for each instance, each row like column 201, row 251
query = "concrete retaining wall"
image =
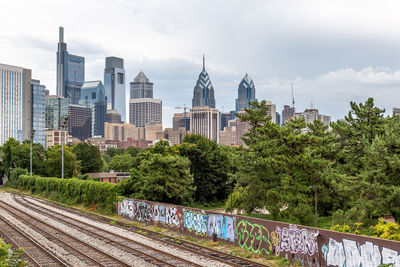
column 308, row 245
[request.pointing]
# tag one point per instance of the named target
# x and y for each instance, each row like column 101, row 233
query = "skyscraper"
column 79, row 121
column 145, row 110
column 311, row 115
column 15, row 103
column 114, row 84
column 246, row 93
column 203, row 93
column 56, row 111
column 141, row 87
column 205, row 121
column 93, row 96
column 287, row 113
column 70, row 72
column 38, row 112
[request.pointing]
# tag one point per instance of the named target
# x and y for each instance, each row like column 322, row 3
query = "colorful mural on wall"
column 310, row 246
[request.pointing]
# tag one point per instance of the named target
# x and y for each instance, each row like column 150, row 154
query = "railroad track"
column 148, row 253
column 219, row 256
column 85, row 252
column 36, row 254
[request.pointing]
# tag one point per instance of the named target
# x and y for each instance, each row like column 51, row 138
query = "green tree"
column 89, row 157
column 53, row 162
column 11, row 258
column 209, row 166
column 122, row 163
column 133, row 151
column 164, row 178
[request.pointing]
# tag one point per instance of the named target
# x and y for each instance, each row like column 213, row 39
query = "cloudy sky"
column 333, row 52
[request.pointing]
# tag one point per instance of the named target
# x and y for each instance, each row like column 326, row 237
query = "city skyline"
column 337, row 56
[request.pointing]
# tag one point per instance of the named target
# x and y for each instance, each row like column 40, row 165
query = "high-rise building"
column 114, row 84
column 205, row 121
column 80, row 121
column 203, row 93
column 15, row 103
column 70, row 72
column 287, row 113
column 93, row 96
column 123, row 131
column 38, row 112
column 246, row 93
column 113, row 116
column 56, row 112
column 396, row 112
column 311, row 115
column 228, row 136
column 175, row 136
column 181, row 120
column 141, row 87
column 225, row 117
column 278, row 118
column 145, row 110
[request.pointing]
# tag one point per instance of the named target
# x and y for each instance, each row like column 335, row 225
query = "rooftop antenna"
column 292, row 96
column 312, row 106
column 204, row 62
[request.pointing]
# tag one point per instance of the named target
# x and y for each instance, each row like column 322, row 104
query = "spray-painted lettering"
column 143, row 211
column 166, row 214
column 222, row 226
column 297, row 240
column 196, row 221
column 348, row 253
column 125, row 208
column 253, row 237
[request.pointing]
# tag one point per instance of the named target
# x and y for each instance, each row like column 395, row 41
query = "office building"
column 225, row 117
column 101, row 143
column 278, row 118
column 114, row 84
column 93, row 96
column 228, row 136
column 70, row 72
column 55, row 137
column 80, row 121
column 311, row 115
column 175, row 136
column 123, row 131
column 287, row 113
column 56, row 112
column 38, row 112
column 113, row 116
column 181, row 120
column 153, row 131
column 15, row 103
column 205, row 121
column 141, row 87
column 203, row 93
column 145, row 110
column 246, row 93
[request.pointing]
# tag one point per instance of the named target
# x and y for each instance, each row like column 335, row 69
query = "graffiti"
column 350, row 254
column 305, row 260
column 222, row 226
column 253, row 237
column 196, row 221
column 125, row 208
column 275, row 238
column 297, row 240
column 167, row 215
column 143, row 211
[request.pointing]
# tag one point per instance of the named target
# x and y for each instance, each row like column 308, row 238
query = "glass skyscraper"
column 15, row 103
column 114, row 84
column 70, row 72
column 141, row 87
column 93, row 96
column 38, row 112
column 203, row 93
column 246, row 93
column 56, row 111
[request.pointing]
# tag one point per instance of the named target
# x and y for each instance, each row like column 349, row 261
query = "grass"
column 210, row 206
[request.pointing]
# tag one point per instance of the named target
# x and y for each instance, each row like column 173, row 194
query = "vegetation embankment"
column 353, row 164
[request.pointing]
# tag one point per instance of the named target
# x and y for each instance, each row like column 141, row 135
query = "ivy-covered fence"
column 102, row 196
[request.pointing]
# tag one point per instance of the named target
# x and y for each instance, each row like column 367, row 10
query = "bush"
column 13, row 259
column 14, row 174
column 72, row 191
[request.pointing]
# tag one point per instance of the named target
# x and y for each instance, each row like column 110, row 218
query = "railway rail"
column 191, row 247
column 145, row 252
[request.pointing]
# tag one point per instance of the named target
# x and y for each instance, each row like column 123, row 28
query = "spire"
column 61, row 35
column 204, row 62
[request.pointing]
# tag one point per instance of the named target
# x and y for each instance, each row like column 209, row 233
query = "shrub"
column 10, row 258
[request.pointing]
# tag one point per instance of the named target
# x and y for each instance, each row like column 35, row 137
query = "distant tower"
column 70, row 72
column 246, row 93
column 114, row 84
column 203, row 93
column 141, row 87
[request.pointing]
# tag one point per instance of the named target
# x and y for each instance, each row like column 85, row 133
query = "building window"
column 120, row 78
column 93, row 95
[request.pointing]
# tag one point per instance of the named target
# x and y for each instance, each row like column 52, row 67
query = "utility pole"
column 30, row 165
column 64, row 125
